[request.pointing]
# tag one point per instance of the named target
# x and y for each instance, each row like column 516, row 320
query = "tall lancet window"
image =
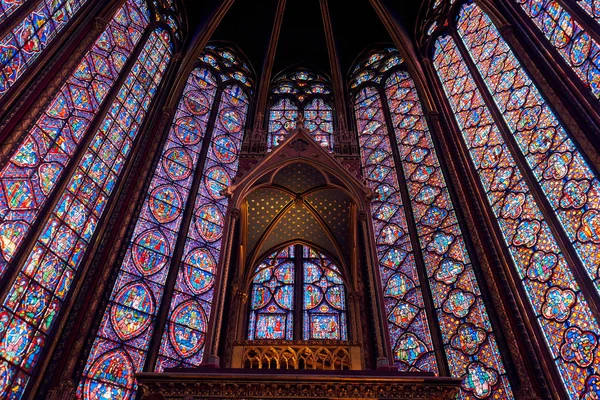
column 301, row 93
column 31, row 35
column 210, row 118
column 276, row 308
column 61, row 141
column 431, row 291
column 511, row 133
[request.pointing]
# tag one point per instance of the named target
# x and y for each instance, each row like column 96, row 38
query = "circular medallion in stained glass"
column 199, row 271
column 209, row 222
column 188, row 130
column 177, row 163
column 231, row 120
column 131, row 310
column 165, row 203
column 187, row 328
column 225, row 149
column 196, row 102
column 149, row 252
column 216, row 179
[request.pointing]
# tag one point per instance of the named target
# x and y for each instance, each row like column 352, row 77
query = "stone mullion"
column 186, row 222
column 423, row 76
column 534, row 332
column 84, row 317
column 384, row 355
column 432, row 319
column 298, row 292
column 579, row 271
column 213, row 335
column 569, row 98
column 484, row 257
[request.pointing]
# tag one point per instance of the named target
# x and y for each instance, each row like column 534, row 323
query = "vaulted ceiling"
column 299, row 202
column 355, row 26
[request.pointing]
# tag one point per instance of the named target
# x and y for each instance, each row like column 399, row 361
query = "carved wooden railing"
column 332, row 356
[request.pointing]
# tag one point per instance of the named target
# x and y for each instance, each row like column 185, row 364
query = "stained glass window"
column 282, row 120
column 318, row 120
column 136, row 296
column 560, row 309
column 121, row 346
column 305, row 92
column 324, row 298
column 35, row 299
column 31, row 36
column 275, row 283
column 403, row 299
column 580, row 51
column 183, row 341
column 466, row 332
column 29, row 177
column 567, row 180
column 272, row 297
column 468, row 337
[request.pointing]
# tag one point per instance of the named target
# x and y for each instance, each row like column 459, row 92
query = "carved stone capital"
column 241, row 296
column 99, row 24
column 299, row 145
column 236, row 214
column 64, row 391
column 362, row 216
column 506, row 30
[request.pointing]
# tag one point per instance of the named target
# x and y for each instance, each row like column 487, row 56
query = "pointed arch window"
column 297, row 285
column 47, row 274
column 559, row 175
column 23, row 44
column 301, row 93
column 210, row 117
column 400, row 163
